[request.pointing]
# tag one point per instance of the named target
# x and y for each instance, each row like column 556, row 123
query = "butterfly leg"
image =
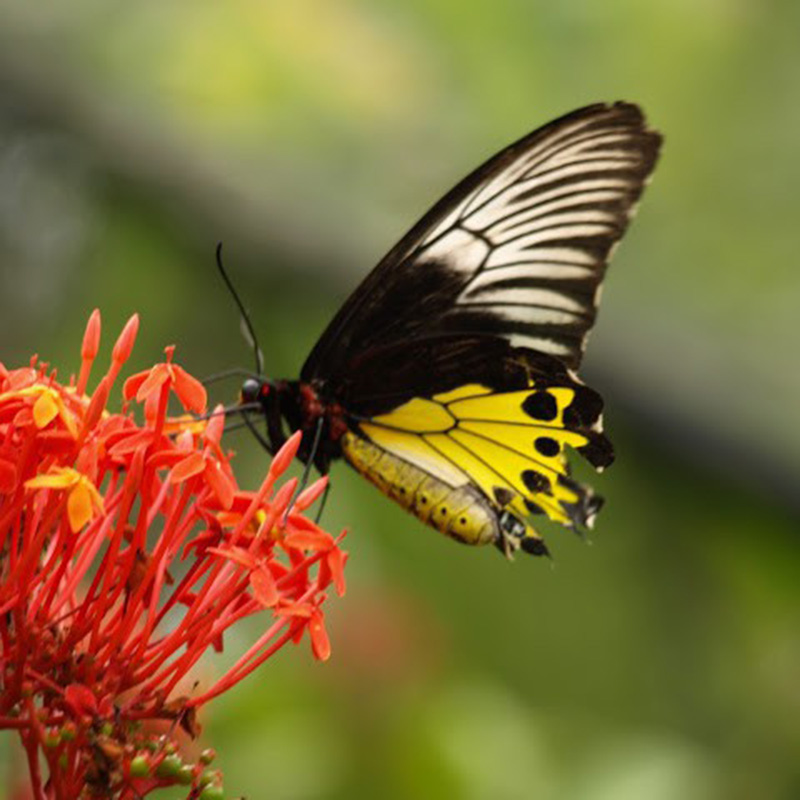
column 259, row 438
column 322, row 504
column 309, row 463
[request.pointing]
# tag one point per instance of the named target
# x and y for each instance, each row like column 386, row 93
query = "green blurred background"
column 661, row 659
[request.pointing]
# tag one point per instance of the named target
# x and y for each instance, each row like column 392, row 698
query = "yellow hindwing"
column 482, row 451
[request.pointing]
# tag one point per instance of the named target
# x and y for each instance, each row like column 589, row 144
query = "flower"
column 127, row 551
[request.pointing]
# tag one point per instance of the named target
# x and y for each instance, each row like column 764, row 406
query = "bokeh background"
column 659, row 660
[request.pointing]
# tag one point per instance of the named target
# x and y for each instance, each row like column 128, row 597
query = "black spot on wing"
column 547, row 446
column 502, row 495
column 535, row 482
column 541, row 406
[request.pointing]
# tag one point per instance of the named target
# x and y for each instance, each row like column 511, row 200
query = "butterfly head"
column 288, row 406
column 255, row 391
column 262, row 397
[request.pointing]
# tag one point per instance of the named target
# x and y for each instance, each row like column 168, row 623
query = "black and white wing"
column 517, row 250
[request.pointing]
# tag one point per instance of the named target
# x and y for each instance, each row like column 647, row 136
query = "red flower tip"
column 97, row 405
column 91, row 338
column 124, row 344
column 307, row 497
column 284, row 496
column 285, row 456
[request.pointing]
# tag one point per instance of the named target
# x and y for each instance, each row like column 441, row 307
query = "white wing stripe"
column 596, row 218
column 551, row 346
column 529, row 166
column 599, row 200
column 565, row 175
column 532, row 269
column 522, row 243
column 509, row 254
column 524, row 296
column 519, row 314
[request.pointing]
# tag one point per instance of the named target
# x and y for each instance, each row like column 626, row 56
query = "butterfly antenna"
column 247, row 324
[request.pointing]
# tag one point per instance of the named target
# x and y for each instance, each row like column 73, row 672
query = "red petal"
column 264, row 587
column 308, row 539
column 216, row 426
column 190, row 391
column 320, row 643
column 135, row 441
column 302, row 610
column 221, row 484
column 190, row 466
column 153, row 382
column 242, row 501
column 133, row 383
column 336, row 560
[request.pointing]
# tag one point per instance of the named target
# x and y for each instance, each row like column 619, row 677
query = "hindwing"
column 502, row 427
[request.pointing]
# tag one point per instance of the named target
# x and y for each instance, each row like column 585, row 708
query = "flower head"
column 127, row 551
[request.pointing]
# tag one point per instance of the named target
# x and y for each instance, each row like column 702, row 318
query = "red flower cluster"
column 127, row 550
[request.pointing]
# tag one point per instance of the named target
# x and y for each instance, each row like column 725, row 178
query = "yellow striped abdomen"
column 460, row 512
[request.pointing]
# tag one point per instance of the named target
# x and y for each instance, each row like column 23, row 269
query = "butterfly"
column 447, row 379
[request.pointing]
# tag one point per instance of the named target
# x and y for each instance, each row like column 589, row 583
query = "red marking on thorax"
column 310, row 402
column 336, row 422
column 314, row 408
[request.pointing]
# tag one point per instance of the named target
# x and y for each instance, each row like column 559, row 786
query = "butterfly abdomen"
column 461, row 513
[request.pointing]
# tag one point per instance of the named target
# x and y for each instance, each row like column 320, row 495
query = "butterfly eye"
column 253, row 390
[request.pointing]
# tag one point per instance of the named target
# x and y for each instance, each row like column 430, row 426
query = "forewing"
column 518, row 249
